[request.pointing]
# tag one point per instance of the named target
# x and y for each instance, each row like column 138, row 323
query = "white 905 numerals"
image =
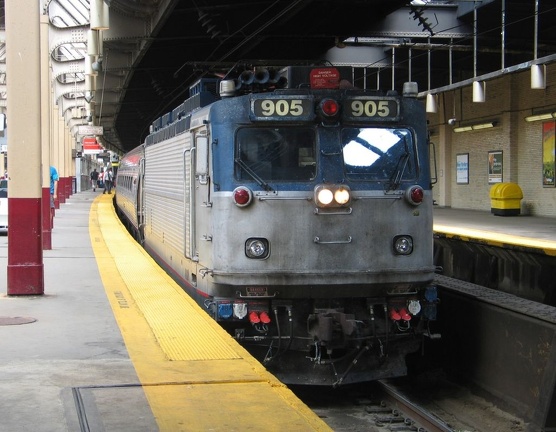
column 296, row 109
column 371, row 108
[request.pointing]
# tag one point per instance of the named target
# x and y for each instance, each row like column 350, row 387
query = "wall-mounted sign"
column 91, row 146
column 90, row 130
column 495, row 167
column 548, row 154
column 462, row 168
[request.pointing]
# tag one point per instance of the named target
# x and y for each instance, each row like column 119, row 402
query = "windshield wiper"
column 397, row 175
column 253, row 175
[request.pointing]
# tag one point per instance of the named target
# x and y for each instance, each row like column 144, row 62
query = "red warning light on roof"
column 325, row 78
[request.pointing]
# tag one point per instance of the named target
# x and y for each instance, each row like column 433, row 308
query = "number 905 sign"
column 365, row 109
column 282, row 108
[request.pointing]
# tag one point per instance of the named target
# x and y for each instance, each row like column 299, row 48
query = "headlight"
column 403, row 245
column 257, row 248
column 325, row 196
column 332, row 195
column 342, row 196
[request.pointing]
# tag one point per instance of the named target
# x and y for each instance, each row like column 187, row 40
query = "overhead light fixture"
column 483, row 126
column 89, row 69
column 538, row 72
column 474, row 127
column 479, row 91
column 89, row 88
column 539, row 117
column 99, row 17
column 538, row 77
column 89, row 96
column 93, row 42
column 463, row 129
column 431, row 103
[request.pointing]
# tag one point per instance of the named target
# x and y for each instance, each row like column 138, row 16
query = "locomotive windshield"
column 276, row 153
column 289, row 154
column 378, row 154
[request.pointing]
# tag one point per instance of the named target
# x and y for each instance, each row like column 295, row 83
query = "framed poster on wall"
column 495, row 167
column 462, row 168
column 548, row 150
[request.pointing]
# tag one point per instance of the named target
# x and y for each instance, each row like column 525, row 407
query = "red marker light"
column 242, row 196
column 415, row 195
column 329, row 107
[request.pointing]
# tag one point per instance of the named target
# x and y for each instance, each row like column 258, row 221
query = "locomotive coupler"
column 331, row 328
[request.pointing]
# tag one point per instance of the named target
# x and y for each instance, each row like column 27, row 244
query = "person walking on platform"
column 54, row 178
column 94, row 179
column 108, row 179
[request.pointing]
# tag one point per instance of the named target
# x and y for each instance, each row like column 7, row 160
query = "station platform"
column 517, row 232
column 115, row 345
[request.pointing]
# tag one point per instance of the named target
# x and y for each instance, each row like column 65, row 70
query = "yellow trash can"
column 505, row 199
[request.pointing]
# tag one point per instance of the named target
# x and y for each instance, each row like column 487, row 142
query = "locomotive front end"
column 297, row 210
column 323, row 209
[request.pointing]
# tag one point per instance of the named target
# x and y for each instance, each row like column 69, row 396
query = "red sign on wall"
column 91, row 146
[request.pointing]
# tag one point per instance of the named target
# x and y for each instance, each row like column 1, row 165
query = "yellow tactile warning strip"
column 497, row 239
column 176, row 323
column 195, row 376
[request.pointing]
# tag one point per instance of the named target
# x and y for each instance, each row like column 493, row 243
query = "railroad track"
column 373, row 407
column 430, row 403
column 408, row 415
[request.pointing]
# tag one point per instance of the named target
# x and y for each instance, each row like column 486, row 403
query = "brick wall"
column 508, row 101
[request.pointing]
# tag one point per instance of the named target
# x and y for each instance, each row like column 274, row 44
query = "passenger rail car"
column 297, row 210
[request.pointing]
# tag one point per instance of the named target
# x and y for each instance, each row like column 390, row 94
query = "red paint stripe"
column 61, row 193
column 25, row 263
column 46, row 227
column 67, row 187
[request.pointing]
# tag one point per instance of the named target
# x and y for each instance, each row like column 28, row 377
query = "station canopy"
column 151, row 51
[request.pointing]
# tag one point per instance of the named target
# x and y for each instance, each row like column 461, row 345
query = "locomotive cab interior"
column 277, row 154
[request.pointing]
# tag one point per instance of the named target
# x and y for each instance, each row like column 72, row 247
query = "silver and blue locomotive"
column 297, row 210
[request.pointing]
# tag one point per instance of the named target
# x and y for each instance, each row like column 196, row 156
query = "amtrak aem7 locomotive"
column 297, row 211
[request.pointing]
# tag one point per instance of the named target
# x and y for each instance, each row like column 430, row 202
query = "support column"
column 59, row 155
column 68, row 164
column 25, row 260
column 445, row 166
column 45, row 133
column 67, row 175
column 55, row 139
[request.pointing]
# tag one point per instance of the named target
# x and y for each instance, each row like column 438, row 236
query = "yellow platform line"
column 497, row 239
column 195, row 376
